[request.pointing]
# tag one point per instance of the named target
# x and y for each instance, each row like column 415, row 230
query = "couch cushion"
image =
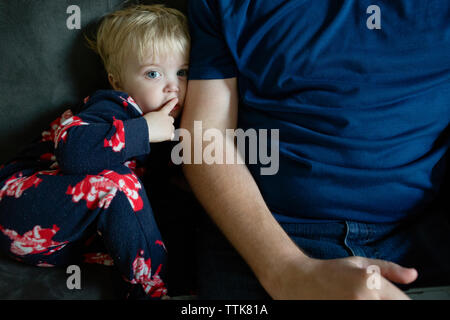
column 20, row 281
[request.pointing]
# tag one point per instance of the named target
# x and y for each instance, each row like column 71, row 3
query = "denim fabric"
column 422, row 243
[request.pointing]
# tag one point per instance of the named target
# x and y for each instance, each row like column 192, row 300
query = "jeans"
column 422, row 242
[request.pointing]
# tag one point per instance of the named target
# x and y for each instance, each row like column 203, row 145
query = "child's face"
column 156, row 81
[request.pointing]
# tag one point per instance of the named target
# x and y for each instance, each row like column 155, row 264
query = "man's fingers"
column 388, row 272
column 391, row 292
column 394, row 272
column 169, row 106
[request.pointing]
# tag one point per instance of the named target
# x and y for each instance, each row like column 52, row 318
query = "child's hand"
column 160, row 123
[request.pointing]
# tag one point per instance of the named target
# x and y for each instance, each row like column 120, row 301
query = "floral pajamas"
column 79, row 183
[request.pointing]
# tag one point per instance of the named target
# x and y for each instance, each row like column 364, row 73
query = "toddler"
column 78, row 182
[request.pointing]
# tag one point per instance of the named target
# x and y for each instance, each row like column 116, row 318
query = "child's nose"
column 172, row 86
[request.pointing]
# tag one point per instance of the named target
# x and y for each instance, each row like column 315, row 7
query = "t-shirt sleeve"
column 210, row 56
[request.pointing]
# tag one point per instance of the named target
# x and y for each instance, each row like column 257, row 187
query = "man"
column 361, row 97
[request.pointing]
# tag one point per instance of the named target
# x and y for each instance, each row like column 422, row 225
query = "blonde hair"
column 143, row 30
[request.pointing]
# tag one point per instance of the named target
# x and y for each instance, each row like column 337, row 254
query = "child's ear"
column 115, row 84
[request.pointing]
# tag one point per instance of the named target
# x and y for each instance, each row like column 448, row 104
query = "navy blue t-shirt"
column 361, row 98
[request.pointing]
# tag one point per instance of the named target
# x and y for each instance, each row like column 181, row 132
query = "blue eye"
column 182, row 73
column 153, row 74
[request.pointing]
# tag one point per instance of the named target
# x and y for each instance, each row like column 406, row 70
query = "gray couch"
column 44, row 68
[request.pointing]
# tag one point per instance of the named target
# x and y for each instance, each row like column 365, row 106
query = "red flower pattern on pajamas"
column 125, row 102
column 96, row 190
column 59, row 127
column 139, row 171
column 128, row 184
column 130, row 100
column 159, row 242
column 16, row 185
column 45, row 265
column 117, row 142
column 99, row 258
column 37, row 240
column 48, row 156
column 99, row 190
column 142, row 274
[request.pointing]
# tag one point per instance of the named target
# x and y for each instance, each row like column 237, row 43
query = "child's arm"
column 101, row 137
column 106, row 134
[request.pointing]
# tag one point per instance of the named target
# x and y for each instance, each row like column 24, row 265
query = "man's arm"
column 231, row 197
column 242, row 214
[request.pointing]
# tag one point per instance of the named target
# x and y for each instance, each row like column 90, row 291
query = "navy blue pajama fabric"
column 80, row 181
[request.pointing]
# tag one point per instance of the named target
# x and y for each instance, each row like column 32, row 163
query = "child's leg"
column 134, row 243
column 129, row 231
column 39, row 222
column 46, row 218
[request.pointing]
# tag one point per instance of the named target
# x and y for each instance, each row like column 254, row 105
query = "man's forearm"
column 228, row 192
column 231, row 197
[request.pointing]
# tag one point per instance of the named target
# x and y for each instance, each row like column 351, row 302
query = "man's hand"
column 160, row 123
column 340, row 279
